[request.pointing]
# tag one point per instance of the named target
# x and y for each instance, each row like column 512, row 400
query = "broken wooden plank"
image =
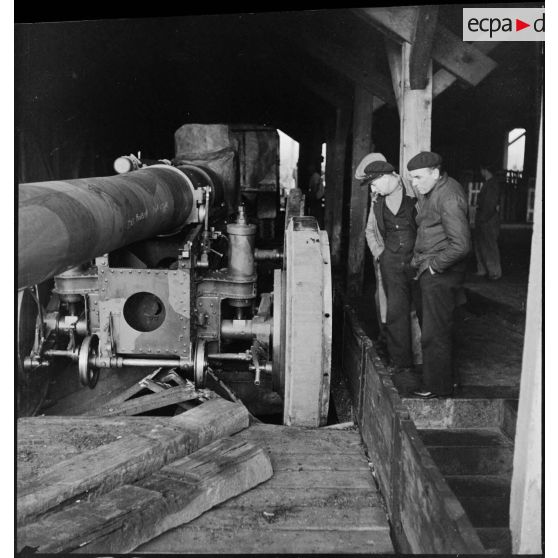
column 130, row 458
column 132, row 515
column 163, row 398
column 157, row 387
column 134, row 389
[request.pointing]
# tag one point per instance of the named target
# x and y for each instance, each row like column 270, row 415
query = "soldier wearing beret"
column 443, row 241
column 390, row 233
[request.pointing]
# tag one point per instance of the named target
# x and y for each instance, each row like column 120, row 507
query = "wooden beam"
column 443, row 79
column 461, row 59
column 103, row 468
column 334, row 182
column 131, row 515
column 421, row 46
column 398, row 23
column 318, row 85
column 341, row 60
column 362, row 144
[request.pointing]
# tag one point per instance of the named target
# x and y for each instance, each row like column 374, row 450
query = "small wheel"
column 200, row 364
column 88, row 375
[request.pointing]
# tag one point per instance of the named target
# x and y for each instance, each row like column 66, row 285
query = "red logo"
column 519, row 25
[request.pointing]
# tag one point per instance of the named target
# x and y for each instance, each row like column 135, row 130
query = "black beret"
column 423, row 160
column 376, row 169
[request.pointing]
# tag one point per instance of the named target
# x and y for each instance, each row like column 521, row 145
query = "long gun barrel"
column 64, row 223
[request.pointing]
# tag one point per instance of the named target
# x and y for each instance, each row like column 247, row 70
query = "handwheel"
column 88, row 374
column 200, row 364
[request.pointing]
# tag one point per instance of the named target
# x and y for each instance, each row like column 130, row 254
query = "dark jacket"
column 443, row 237
column 488, row 200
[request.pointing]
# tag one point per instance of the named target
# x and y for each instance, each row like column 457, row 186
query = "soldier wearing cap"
column 390, row 234
column 443, row 241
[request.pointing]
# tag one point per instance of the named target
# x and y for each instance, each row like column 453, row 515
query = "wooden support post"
column 415, row 109
column 525, row 500
column 335, row 175
column 362, row 144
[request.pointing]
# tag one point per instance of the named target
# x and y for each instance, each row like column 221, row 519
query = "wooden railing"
column 425, row 515
column 516, row 196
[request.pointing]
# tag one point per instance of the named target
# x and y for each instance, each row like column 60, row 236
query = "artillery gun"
column 124, row 271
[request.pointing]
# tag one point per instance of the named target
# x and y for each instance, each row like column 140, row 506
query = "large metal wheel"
column 278, row 334
column 307, row 324
column 31, row 384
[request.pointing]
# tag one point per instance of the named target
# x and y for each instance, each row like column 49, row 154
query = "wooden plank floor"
column 321, row 499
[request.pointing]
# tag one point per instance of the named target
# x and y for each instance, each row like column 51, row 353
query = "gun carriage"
column 157, row 267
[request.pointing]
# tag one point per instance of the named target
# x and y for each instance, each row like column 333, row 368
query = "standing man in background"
column 443, row 241
column 487, row 226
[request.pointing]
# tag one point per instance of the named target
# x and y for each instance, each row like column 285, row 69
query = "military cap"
column 377, row 169
column 424, row 159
